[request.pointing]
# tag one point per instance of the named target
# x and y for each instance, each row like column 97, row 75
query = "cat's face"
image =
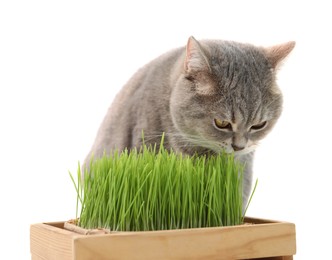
column 230, row 123
column 227, row 97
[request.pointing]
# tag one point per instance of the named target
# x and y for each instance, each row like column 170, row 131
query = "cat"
column 209, row 96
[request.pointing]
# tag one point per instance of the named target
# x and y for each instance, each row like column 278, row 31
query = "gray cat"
column 211, row 96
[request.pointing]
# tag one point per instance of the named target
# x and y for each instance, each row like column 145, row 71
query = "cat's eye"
column 222, row 124
column 258, row 126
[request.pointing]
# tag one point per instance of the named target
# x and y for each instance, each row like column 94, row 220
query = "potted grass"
column 155, row 204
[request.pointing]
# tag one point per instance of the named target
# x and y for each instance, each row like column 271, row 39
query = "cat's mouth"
column 245, row 150
column 238, row 150
column 203, row 146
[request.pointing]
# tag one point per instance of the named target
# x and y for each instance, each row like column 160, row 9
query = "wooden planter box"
column 264, row 239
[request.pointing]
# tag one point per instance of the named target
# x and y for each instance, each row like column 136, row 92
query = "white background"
column 62, row 62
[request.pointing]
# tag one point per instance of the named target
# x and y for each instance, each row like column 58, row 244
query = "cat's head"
column 227, row 97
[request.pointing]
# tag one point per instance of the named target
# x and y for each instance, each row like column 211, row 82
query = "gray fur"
column 183, row 91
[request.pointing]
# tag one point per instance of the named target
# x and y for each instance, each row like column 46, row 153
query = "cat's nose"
column 237, row 148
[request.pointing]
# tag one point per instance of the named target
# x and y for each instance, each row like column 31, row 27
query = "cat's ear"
column 196, row 60
column 276, row 54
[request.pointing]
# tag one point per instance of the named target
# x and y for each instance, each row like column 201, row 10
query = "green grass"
column 154, row 189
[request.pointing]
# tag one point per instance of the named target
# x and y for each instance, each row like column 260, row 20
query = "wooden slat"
column 273, row 258
column 245, row 242
column 265, row 238
column 49, row 242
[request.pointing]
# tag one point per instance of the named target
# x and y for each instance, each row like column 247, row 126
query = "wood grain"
column 51, row 242
column 265, row 239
